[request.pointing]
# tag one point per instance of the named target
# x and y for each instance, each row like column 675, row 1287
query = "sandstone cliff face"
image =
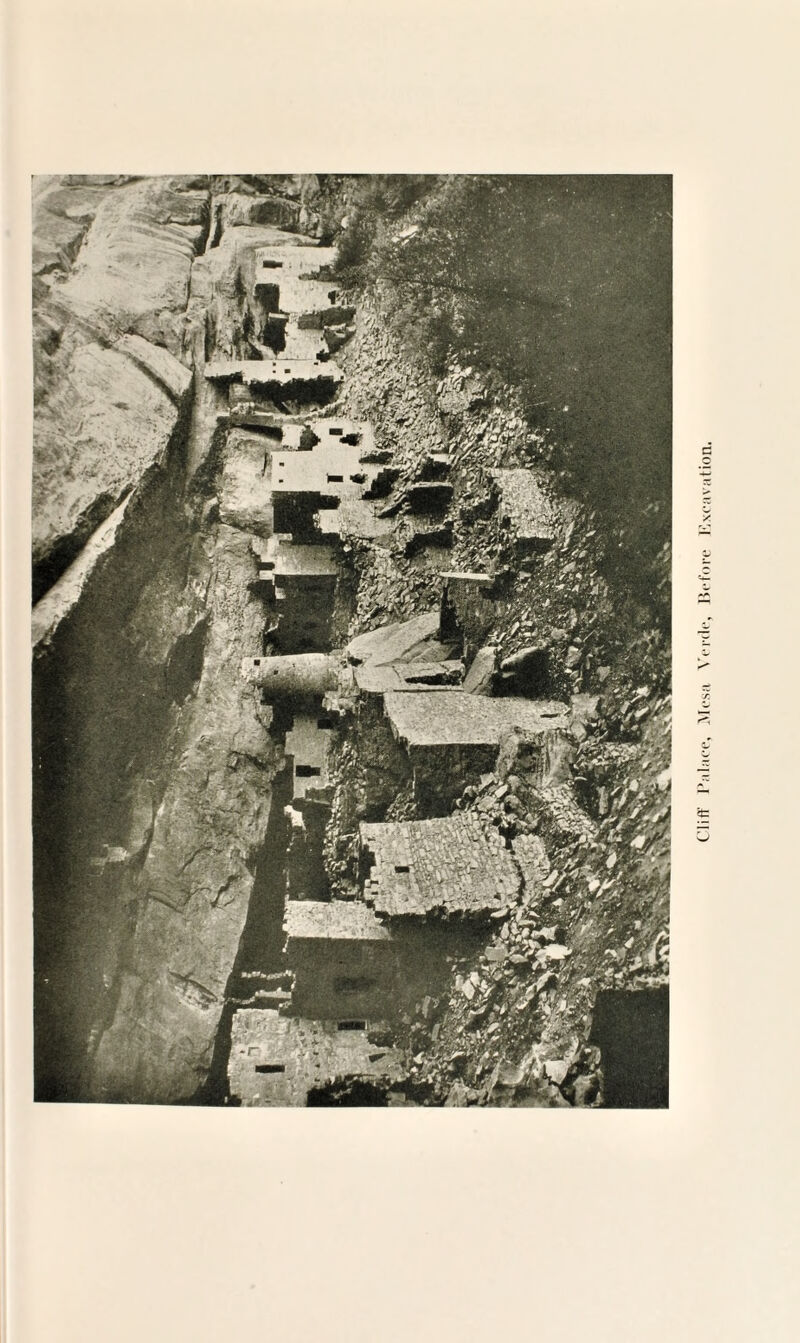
column 192, row 889
column 152, row 761
column 109, row 349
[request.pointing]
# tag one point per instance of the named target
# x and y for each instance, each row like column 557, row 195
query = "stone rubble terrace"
column 449, row 865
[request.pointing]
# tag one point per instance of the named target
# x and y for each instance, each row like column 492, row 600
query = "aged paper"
column 131, row 1222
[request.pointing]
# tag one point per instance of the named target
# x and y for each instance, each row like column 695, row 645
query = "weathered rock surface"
column 118, row 414
column 192, row 892
column 132, row 273
column 113, row 263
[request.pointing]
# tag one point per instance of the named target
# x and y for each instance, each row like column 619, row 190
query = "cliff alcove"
column 351, row 730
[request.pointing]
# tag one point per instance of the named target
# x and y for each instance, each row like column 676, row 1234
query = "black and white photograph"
column 351, row 532
column 398, row 478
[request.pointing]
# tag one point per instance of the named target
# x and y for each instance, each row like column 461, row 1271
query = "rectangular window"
column 352, row 1026
column 307, row 771
column 401, row 867
column 270, row 1068
column 335, row 480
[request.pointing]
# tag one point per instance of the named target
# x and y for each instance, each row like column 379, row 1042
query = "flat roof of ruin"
column 456, row 718
column 335, row 920
column 448, row 865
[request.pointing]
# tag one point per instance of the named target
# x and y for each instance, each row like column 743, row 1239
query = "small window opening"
column 352, row 1026
column 402, row 867
column 307, row 771
column 256, row 662
column 335, row 429
column 270, row 1068
column 325, row 723
column 335, row 480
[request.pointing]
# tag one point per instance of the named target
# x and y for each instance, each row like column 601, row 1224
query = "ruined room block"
column 451, row 737
column 429, row 496
column 468, row 609
column 278, row 1060
column 307, row 746
column 527, row 672
column 286, row 375
column 400, row 641
column 301, row 582
column 308, row 480
column 524, row 510
column 342, row 957
column 355, row 519
column 301, row 260
column 448, row 865
column 404, row 656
